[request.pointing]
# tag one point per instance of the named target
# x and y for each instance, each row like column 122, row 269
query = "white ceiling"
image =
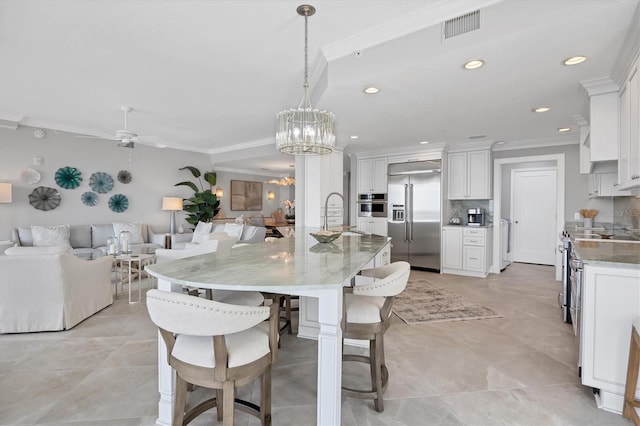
column 209, row 76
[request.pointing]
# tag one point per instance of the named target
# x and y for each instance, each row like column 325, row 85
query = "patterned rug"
column 422, row 301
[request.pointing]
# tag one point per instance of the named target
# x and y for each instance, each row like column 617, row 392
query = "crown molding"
column 432, row 147
column 599, row 86
column 537, row 143
column 247, row 172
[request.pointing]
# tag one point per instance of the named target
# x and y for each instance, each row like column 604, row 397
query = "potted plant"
column 204, row 204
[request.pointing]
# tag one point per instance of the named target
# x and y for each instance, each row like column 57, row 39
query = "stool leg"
column 265, row 398
column 228, row 399
column 377, row 356
column 630, row 402
column 181, row 401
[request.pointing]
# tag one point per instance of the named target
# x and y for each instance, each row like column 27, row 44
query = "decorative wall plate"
column 68, row 177
column 44, row 198
column 118, row 203
column 101, row 182
column 89, row 198
column 30, row 176
column 124, row 176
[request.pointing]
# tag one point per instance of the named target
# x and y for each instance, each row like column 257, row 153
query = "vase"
column 181, row 229
column 588, row 222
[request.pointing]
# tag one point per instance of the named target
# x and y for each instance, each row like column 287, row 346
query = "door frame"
column 497, row 201
column 514, row 172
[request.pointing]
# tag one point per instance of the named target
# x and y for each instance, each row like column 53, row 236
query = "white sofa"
column 206, row 246
column 47, row 289
column 249, row 234
column 90, row 241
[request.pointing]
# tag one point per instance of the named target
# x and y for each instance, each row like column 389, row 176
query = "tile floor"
column 515, row 370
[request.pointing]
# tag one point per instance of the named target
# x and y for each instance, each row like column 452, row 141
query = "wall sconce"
column 271, row 195
column 5, row 192
column 219, row 192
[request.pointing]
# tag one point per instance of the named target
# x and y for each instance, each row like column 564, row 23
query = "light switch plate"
column 37, row 161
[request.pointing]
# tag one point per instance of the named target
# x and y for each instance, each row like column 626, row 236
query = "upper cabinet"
column 372, row 175
column 469, row 175
column 605, row 185
column 604, row 127
column 629, row 155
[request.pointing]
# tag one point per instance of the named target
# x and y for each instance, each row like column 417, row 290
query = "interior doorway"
column 533, row 214
column 501, row 202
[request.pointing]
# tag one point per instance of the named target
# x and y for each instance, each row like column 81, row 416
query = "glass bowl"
column 325, row 236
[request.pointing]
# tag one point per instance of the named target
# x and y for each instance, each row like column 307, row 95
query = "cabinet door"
column 473, row 258
column 365, row 175
column 452, row 248
column 634, row 128
column 624, row 146
column 365, row 225
column 479, row 175
column 457, row 175
column 379, row 226
column 379, row 175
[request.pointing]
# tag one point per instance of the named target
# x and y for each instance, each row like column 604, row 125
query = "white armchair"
column 47, row 289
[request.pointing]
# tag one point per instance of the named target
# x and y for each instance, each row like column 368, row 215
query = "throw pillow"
column 135, row 228
column 51, row 236
column 233, row 230
column 202, row 229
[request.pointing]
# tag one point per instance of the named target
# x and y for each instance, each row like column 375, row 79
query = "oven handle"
column 576, row 264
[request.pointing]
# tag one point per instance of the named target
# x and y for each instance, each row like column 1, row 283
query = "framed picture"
column 246, row 195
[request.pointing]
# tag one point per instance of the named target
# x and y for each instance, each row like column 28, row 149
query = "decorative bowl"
column 325, row 236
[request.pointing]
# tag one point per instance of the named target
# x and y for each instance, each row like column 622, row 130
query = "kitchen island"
column 610, row 302
column 297, row 266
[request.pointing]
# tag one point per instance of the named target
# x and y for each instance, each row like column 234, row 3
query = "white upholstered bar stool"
column 631, row 403
column 217, row 346
column 367, row 315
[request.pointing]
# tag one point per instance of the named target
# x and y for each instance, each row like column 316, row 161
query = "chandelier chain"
column 306, row 53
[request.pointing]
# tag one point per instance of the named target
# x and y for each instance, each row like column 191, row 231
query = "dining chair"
column 217, row 346
column 367, row 316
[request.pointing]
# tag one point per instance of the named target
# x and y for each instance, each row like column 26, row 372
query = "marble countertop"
column 608, row 253
column 299, row 261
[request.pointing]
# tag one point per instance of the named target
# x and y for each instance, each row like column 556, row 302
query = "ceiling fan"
column 125, row 137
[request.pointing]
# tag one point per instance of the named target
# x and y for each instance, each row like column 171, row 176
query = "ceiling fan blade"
column 109, row 137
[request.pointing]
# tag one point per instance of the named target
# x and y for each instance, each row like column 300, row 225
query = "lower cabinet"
column 466, row 250
column 373, row 225
column 610, row 303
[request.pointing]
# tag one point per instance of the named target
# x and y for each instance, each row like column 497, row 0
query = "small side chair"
column 217, row 346
column 367, row 316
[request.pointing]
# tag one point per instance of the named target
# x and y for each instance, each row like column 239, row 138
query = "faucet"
column 326, row 206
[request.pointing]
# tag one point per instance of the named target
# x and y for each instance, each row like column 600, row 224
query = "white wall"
column 154, row 172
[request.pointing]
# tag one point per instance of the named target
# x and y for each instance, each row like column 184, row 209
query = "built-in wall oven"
column 372, row 205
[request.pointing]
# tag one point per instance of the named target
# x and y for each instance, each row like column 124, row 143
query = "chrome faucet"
column 326, row 207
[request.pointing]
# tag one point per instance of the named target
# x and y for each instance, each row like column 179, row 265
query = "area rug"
column 423, row 302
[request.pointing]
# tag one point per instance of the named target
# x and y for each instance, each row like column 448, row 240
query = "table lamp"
column 173, row 204
column 5, row 192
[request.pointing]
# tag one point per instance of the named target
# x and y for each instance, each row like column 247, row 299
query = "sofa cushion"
column 233, row 230
column 25, row 236
column 99, row 235
column 34, row 251
column 51, row 236
column 202, row 229
column 80, row 236
column 135, row 228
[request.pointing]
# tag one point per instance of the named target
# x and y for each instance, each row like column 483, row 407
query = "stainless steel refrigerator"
column 414, row 206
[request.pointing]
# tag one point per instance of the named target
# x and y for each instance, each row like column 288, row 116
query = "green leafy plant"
column 204, row 204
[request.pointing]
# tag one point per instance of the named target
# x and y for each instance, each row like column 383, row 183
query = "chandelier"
column 305, row 130
column 282, row 182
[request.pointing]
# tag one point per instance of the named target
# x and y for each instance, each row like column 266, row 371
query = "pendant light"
column 305, row 130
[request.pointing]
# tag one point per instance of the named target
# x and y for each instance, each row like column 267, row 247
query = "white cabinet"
column 629, row 155
column 604, row 126
column 469, row 175
column 610, row 303
column 466, row 250
column 372, row 175
column 605, row 185
column 452, row 247
column 373, row 225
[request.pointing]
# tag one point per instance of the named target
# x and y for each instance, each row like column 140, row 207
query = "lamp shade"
column 171, row 203
column 5, row 192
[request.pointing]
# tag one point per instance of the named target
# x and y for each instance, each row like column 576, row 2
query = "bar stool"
column 367, row 315
column 630, row 401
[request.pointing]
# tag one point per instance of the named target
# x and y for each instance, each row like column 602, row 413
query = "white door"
column 533, row 214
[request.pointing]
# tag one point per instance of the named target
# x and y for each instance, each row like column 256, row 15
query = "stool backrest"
column 391, row 280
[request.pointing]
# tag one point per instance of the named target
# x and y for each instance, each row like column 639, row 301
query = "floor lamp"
column 172, row 204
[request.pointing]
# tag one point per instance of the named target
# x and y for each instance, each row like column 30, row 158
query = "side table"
column 131, row 259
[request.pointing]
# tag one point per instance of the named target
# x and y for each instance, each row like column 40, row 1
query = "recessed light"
column 500, row 143
column 371, row 90
column 575, row 60
column 474, row 64
column 424, row 142
column 564, row 129
column 353, row 137
column 541, row 109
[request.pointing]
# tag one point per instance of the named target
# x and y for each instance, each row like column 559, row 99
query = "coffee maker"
column 475, row 217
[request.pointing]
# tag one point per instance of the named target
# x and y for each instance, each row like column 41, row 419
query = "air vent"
column 461, row 24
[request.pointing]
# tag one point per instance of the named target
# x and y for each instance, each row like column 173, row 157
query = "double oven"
column 372, row 205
